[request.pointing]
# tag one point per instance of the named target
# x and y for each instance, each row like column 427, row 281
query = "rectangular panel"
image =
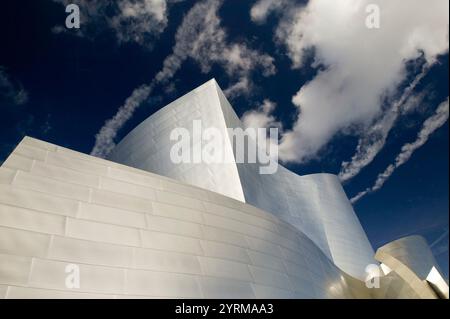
column 6, row 175
column 50, row 186
column 102, row 232
column 126, row 202
column 224, row 236
column 31, row 152
column 143, row 178
column 65, row 174
column 16, row 161
column 82, row 165
column 117, row 186
column 264, row 246
column 31, row 220
column 170, row 225
column 243, row 217
column 224, row 268
column 23, row 242
column 271, row 278
column 220, row 250
column 86, row 251
column 265, row 260
column 39, row 201
column 112, row 215
column 186, row 190
column 14, row 270
column 166, row 261
column 38, row 143
column 163, row 241
column 175, row 199
column 183, row 213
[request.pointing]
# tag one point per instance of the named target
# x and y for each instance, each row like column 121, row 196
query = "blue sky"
column 330, row 78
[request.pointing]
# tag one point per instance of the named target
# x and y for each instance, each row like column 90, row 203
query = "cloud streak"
column 374, row 139
column 104, row 140
column 429, row 126
column 201, row 38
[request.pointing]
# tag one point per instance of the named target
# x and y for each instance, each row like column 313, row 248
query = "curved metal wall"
column 411, row 259
column 314, row 204
column 414, row 252
column 136, row 234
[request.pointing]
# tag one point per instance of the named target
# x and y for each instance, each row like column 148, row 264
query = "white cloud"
column 262, row 8
column 138, row 21
column 11, row 91
column 429, row 126
column 243, row 85
column 374, row 138
column 358, row 68
column 201, row 38
column 261, row 117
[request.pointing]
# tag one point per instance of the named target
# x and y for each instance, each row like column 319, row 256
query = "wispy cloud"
column 439, row 239
column 429, row 126
column 262, row 8
column 373, row 140
column 139, row 21
column 201, row 38
column 440, row 245
column 261, row 117
column 358, row 68
column 104, row 140
column 11, row 91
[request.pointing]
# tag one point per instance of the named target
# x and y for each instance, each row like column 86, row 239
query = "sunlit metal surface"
column 438, row 283
column 411, row 259
column 315, row 204
column 132, row 233
column 137, row 234
column 414, row 252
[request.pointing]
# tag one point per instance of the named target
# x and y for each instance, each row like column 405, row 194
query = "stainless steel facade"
column 418, row 275
column 188, row 231
column 314, row 204
column 136, row 234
